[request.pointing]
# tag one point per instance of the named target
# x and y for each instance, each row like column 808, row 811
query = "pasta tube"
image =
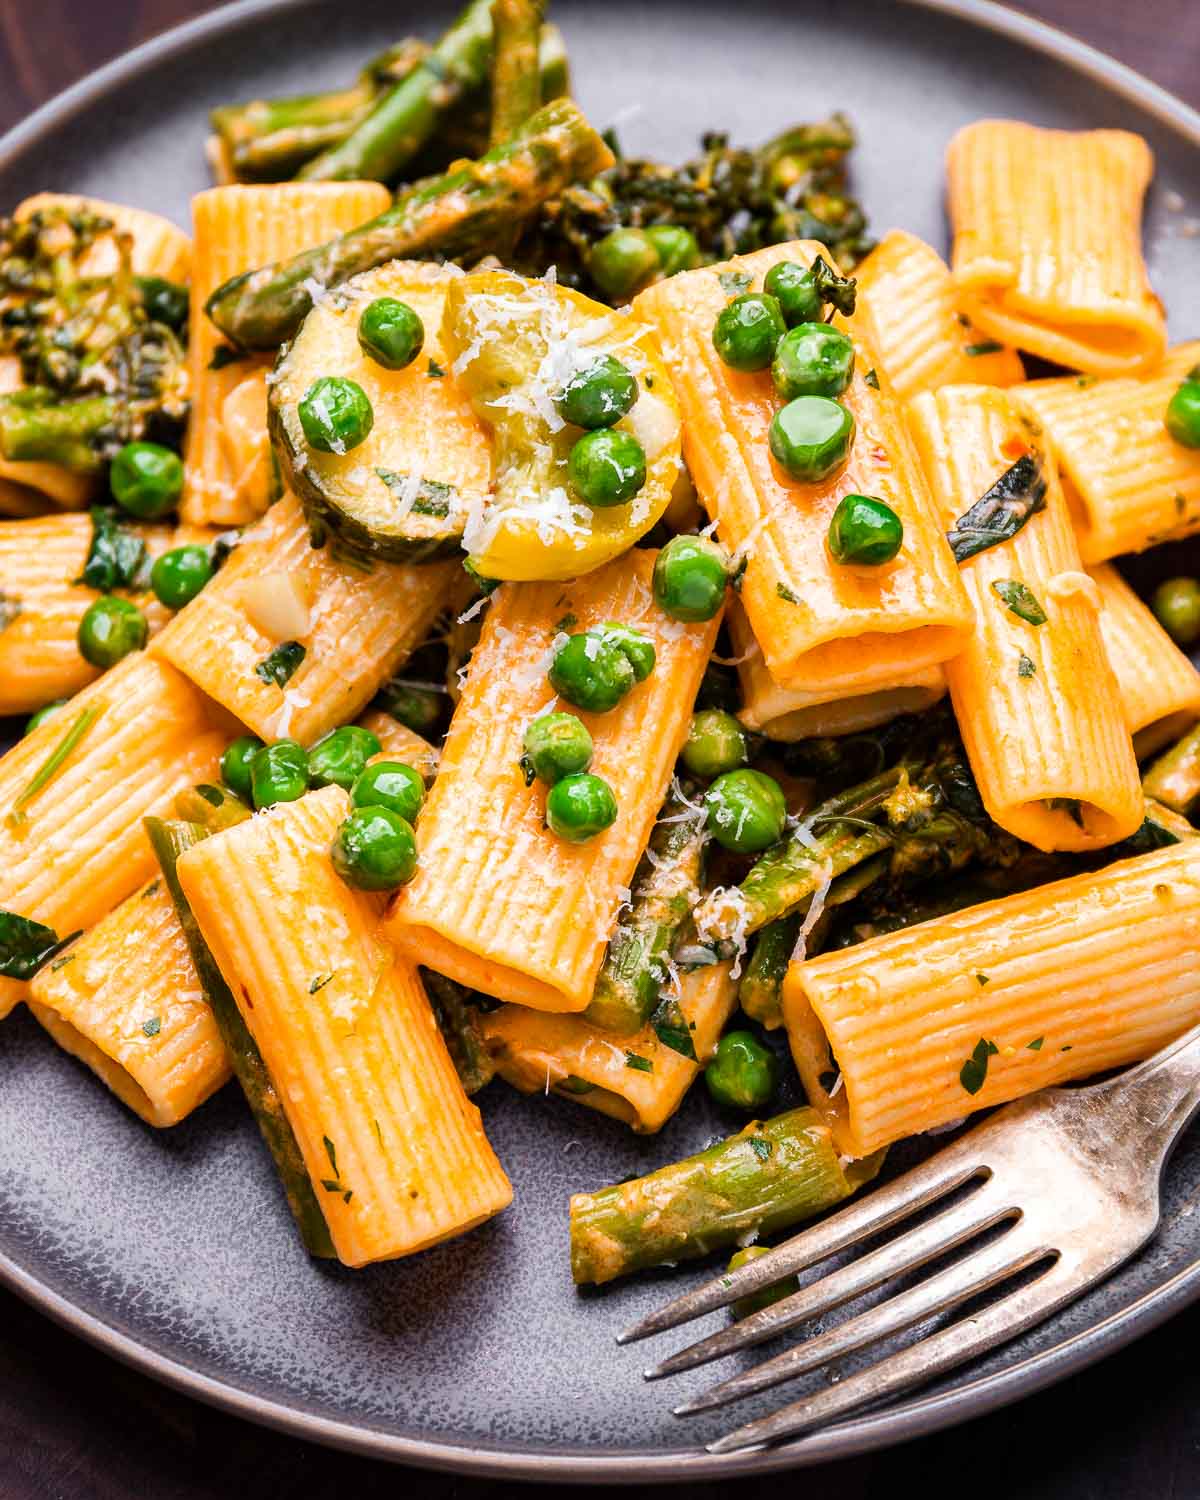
column 238, row 229
column 1159, row 687
column 1128, row 484
column 639, row 1079
column 126, row 1001
column 1034, row 694
column 819, row 624
column 74, row 847
column 791, row 714
column 499, row 902
column 911, row 1030
column 1048, row 243
column 278, row 592
column 906, row 291
column 347, row 1034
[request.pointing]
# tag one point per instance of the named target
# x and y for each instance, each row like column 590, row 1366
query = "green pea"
column 591, row 672
column 375, row 849
column 110, row 629
column 278, row 773
column 579, row 807
column 1183, row 412
column 340, row 758
column 235, row 765
column 746, row 811
column 677, row 247
column 794, row 287
column 598, row 395
column 747, row 331
column 766, row 1296
column 690, row 574
column 335, row 414
column 607, row 468
column 637, row 646
column 743, row 1073
column 390, row 332
column 47, row 711
column 813, row 360
column 622, row 261
column 390, row 784
column 146, row 479
column 810, row 437
column 556, row 745
column 179, row 575
column 716, row 743
column 1177, row 605
column 864, row 529
column 165, row 301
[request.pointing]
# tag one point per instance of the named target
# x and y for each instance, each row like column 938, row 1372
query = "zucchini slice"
column 405, row 493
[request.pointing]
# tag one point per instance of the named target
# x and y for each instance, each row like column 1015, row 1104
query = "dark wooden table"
column 75, row 1425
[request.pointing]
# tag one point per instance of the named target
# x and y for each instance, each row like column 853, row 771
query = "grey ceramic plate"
column 174, row 1251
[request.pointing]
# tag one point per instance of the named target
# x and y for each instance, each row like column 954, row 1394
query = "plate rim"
column 892, row 1424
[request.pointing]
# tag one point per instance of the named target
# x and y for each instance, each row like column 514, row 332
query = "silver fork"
column 1068, row 1179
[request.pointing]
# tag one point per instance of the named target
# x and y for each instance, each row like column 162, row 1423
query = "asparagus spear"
column 454, row 216
column 458, row 1020
column 169, row 841
column 1174, row 778
column 768, row 1177
column 36, row 425
column 665, row 891
column 516, row 86
column 403, row 119
column 760, row 990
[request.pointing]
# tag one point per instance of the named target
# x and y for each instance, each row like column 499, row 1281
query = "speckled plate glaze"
column 174, row 1250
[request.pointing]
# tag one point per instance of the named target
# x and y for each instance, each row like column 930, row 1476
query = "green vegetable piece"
column 636, row 645
column 110, row 629
column 746, row 811
column 47, row 711
column 25, row 945
column 766, row 1296
column 810, row 437
column 417, row 708
column 391, row 333
column 278, row 773
column 716, row 743
column 794, row 287
column 677, row 247
column 146, row 479
column 622, row 261
column 116, row 557
column 1183, row 412
column 690, row 576
column 591, row 671
column 375, row 849
column 335, row 414
column 341, row 757
column 165, row 301
column 998, row 515
column 760, row 991
column 516, row 85
column 607, row 468
column 235, row 765
column 839, row 292
column 179, row 575
column 579, row 807
column 1020, row 599
column 743, row 1073
column 865, row 529
column 556, row 745
column 281, row 665
column 390, row 784
column 748, row 331
column 973, row 1073
column 598, row 395
column 458, row 1018
column 1177, row 605
column 812, row 359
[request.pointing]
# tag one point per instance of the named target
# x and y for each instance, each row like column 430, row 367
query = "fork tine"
column 920, row 1362
column 935, row 1178
column 950, row 1228
column 981, row 1270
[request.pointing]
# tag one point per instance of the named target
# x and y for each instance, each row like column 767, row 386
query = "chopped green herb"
column 760, row 1147
column 25, row 945
column 785, row 593
column 331, row 1153
column 433, row 498
column 1180, row 504
column 734, row 282
column 61, row 963
column 638, row 1064
column 982, row 979
column 740, row 564
column 1069, row 805
column 1025, row 667
column 378, row 1132
column 974, row 1070
column 1085, row 380
column 1000, row 513
column 117, row 557
column 1021, row 600
column 347, row 1195
column 565, row 625
column 319, row 983
column 53, row 763
column 671, row 1028
column 839, row 292
column 1035, row 1045
column 986, row 346
column 152, row 1027
column 1067, row 1048
column 872, row 379
column 213, row 795
column 152, row 889
column 435, row 370
column 330, row 1185
column 573, row 1085
column 281, row 665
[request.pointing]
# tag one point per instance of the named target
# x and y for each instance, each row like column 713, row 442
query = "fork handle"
column 1158, row 1098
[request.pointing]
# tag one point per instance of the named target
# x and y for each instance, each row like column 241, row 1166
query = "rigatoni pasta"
column 394, row 1145
column 818, row 624
column 1033, row 692
column 1047, row 243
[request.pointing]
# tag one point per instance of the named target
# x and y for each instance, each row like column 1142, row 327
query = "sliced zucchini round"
column 405, row 493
